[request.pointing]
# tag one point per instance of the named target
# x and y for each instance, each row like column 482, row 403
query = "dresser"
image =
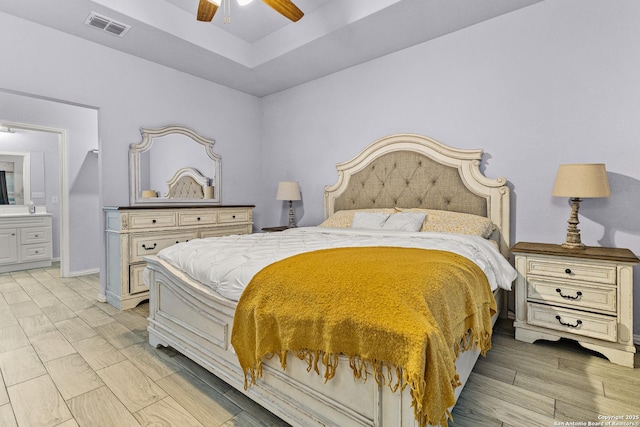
column 581, row 294
column 135, row 232
column 25, row 241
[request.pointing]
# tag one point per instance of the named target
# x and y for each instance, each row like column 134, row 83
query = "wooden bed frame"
column 401, row 170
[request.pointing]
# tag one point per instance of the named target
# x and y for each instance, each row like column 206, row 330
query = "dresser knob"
column 198, row 218
column 568, row 271
column 153, row 221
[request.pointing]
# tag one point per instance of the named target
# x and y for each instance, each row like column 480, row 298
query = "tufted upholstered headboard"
column 187, row 183
column 414, row 171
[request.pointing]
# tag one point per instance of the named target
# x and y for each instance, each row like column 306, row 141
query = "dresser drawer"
column 572, row 321
column 35, row 251
column 225, row 231
column 573, row 295
column 151, row 220
column 599, row 273
column 142, row 245
column 136, row 281
column 197, row 218
column 35, row 235
column 229, row 216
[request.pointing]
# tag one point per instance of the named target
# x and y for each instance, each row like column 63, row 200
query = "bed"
column 403, row 172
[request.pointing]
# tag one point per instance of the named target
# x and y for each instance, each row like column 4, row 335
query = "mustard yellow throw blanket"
column 401, row 314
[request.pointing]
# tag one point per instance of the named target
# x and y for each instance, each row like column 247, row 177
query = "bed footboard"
column 197, row 322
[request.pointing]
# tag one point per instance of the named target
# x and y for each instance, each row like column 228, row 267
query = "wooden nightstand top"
column 275, row 229
column 590, row 252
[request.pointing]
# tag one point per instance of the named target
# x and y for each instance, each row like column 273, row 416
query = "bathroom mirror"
column 173, row 165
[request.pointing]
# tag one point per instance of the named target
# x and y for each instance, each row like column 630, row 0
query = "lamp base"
column 573, row 233
column 292, row 222
column 570, row 245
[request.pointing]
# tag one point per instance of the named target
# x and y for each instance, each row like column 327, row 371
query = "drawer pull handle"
column 578, row 322
column 153, row 221
column 568, row 271
column 150, row 248
column 578, row 294
column 36, row 236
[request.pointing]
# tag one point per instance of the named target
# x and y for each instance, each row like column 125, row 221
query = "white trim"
column 84, row 272
column 63, row 187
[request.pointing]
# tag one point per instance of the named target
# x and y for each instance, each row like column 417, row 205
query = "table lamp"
column 289, row 190
column 579, row 181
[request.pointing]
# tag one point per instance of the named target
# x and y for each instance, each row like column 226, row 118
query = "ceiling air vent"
column 106, row 24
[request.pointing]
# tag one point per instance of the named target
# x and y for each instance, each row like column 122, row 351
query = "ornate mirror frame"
column 148, row 136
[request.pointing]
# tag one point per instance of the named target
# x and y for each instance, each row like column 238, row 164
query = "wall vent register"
column 107, row 25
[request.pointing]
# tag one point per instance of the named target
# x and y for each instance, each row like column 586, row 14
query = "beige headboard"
column 410, row 171
column 187, row 183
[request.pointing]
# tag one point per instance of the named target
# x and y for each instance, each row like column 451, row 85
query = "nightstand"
column 581, row 294
column 275, row 229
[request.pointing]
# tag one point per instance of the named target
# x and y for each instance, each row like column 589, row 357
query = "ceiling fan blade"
column 286, row 8
column 206, row 10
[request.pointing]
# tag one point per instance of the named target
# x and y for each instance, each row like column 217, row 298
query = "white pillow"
column 369, row 220
column 405, row 221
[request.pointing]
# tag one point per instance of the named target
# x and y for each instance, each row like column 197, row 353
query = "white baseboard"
column 84, row 272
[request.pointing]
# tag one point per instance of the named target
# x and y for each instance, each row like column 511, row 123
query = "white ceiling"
column 260, row 52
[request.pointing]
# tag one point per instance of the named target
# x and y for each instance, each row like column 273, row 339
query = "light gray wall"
column 553, row 83
column 81, row 126
column 129, row 93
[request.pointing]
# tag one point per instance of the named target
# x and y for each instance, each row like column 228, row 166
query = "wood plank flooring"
column 67, row 360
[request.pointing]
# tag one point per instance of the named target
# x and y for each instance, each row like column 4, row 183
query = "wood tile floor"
column 67, row 360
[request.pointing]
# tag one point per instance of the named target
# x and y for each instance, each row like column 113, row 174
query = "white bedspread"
column 228, row 263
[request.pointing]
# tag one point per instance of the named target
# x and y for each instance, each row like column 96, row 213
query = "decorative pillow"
column 454, row 222
column 369, row 220
column 405, row 221
column 343, row 219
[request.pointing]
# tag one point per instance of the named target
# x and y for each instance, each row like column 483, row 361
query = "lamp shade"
column 582, row 181
column 288, row 190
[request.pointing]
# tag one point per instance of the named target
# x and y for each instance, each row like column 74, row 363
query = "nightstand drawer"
column 573, row 295
column 575, row 322
column 583, row 271
column 143, row 245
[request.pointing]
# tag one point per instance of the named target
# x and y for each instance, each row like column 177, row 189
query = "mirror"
column 173, row 165
column 15, row 178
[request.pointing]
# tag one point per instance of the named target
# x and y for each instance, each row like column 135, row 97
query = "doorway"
column 41, row 178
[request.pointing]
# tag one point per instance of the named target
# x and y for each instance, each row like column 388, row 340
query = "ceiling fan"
column 208, row 8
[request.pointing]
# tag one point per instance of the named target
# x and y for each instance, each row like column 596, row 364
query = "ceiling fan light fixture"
column 244, row 2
